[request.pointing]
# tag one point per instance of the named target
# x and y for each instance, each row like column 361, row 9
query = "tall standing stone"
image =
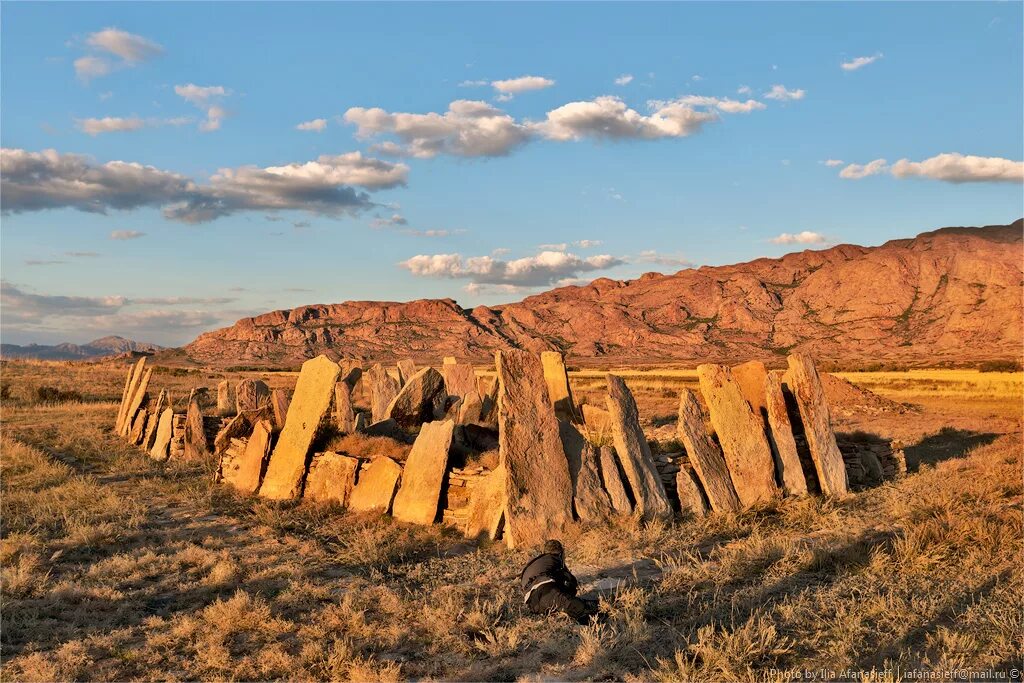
column 196, row 447
column 741, row 434
column 688, row 489
column 383, row 389
column 134, row 377
column 310, row 403
column 251, row 394
column 613, row 480
column 138, row 396
column 376, row 488
column 705, row 455
column 162, row 440
column 423, row 476
column 225, row 398
column 557, row 379
column 331, row 478
column 634, row 453
column 763, row 392
column 805, row 384
column 487, row 506
column 344, row 415
column 406, row 368
column 244, row 473
column 279, row 403
column 538, row 485
column 124, row 398
column 422, row 399
column 459, row 379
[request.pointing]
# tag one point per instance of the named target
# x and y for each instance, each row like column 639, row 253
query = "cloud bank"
column 949, row 167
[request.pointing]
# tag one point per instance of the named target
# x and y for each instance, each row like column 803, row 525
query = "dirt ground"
column 115, row 567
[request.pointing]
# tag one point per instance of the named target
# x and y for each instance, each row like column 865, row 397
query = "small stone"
column 406, row 369
column 471, row 407
column 417, row 499
column 690, row 497
column 236, row 427
column 152, row 420
column 388, row 428
column 344, row 415
column 138, row 428
column 360, row 422
column 422, row 399
column 450, row 360
column 244, row 474
column 557, row 379
column 162, row 440
column 196, row 447
column 486, row 510
column 377, row 485
column 590, row 501
column 331, row 478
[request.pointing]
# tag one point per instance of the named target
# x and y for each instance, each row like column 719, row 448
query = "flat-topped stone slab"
column 377, row 485
column 418, row 497
column 331, row 478
column 486, row 513
column 162, row 439
column 459, row 378
column 557, row 379
column 251, row 394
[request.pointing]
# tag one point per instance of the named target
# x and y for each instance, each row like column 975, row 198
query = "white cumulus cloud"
column 805, row 237
column 608, row 117
column 206, row 98
column 960, row 168
column 860, row 62
column 315, row 126
column 129, row 50
column 783, row 94
column 515, row 86
column 831, row 163
column 624, row 79
column 543, row 269
column 858, row 171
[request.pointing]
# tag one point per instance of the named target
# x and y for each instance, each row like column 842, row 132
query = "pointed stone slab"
column 557, row 379
column 152, row 420
column 124, row 398
column 613, row 480
column 741, row 435
column 344, row 415
column 137, row 398
column 406, row 369
column 331, row 478
column 538, row 485
column 309, row 405
column 279, row 403
column 705, row 456
column 138, row 429
column 635, row 454
column 378, row 482
column 195, row 433
column 251, row 394
column 691, row 499
column 470, row 408
column 244, row 472
column 162, row 440
column 383, row 390
column 590, row 501
column 805, row 384
column 225, row 398
column 134, row 377
column 459, row 378
column 420, row 493
column 422, row 399
column 487, row 506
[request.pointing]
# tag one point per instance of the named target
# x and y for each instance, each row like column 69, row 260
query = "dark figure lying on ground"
column 549, row 586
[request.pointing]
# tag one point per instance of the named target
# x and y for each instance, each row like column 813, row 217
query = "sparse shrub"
column 46, row 394
column 1000, row 366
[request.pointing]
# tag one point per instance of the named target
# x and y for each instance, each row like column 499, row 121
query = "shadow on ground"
column 947, row 444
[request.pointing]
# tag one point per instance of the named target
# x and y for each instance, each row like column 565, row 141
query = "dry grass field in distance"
column 116, row 567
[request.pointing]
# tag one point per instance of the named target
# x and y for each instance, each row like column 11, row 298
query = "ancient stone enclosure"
column 513, row 457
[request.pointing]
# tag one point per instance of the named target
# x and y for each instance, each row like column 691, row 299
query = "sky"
column 169, row 168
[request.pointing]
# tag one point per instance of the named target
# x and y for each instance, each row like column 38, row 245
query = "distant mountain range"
column 98, row 348
column 950, row 295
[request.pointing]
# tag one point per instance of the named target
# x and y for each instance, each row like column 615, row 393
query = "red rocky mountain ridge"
column 950, row 295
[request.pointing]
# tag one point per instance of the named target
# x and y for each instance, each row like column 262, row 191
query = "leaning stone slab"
column 805, row 384
column 487, row 506
column 420, row 493
column 310, row 403
column 459, row 378
column 139, row 395
column 225, row 398
column 470, row 408
column 344, row 415
column 634, row 453
column 383, row 389
column 557, row 379
column 538, row 486
column 152, row 421
column 406, row 369
column 378, row 482
column 237, row 427
column 251, row 394
column 138, row 428
column 134, row 377
column 613, row 480
column 705, row 455
column 244, row 472
column 741, row 435
column 763, row 392
column 590, row 501
column 690, row 497
column 279, row 403
column 195, row 432
column 124, row 398
column 331, row 478
column 162, row 440
column 422, row 399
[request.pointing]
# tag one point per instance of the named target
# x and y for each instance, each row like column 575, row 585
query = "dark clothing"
column 549, row 586
column 548, row 599
column 549, row 568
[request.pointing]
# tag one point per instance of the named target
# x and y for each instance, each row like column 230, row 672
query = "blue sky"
column 586, row 140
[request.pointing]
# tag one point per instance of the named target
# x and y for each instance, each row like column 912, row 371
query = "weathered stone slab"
column 420, row 493
column 590, row 501
column 420, row 400
column 124, row 397
column 196, row 447
column 406, row 369
column 138, row 428
column 612, row 480
column 486, row 511
column 383, row 389
column 244, row 472
column 538, row 485
column 162, row 440
column 705, row 455
column 557, row 379
column 310, row 403
column 237, row 427
column 134, row 377
column 378, row 482
column 805, row 384
column 741, row 435
column 470, row 408
column 331, row 478
column 141, row 387
column 690, row 497
column 459, row 378
column 635, row 454
column 251, row 394
column 598, row 423
column 225, row 398
column 152, row 420
column 344, row 415
column 279, row 403
column 763, row 392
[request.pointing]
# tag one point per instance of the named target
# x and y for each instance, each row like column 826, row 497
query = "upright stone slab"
column 741, row 435
column 153, row 420
column 459, row 379
column 162, row 440
column 279, row 403
column 470, row 409
column 124, row 398
column 705, row 455
column 423, row 476
column 557, row 379
column 420, row 400
column 487, row 506
column 251, row 394
column 138, row 428
column 331, row 478
column 805, row 384
column 612, row 480
column 406, row 368
column 688, row 489
column 590, row 501
column 225, row 398
column 763, row 392
column 195, row 432
column 538, row 485
column 635, row 454
column 383, row 389
column 310, row 403
column 134, row 377
column 344, row 415
column 378, row 482
column 244, row 473
column 141, row 387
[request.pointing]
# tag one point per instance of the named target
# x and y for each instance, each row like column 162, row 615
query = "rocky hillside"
column 952, row 294
column 97, row 348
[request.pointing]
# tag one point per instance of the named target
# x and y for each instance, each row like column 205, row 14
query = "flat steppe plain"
column 115, row 567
